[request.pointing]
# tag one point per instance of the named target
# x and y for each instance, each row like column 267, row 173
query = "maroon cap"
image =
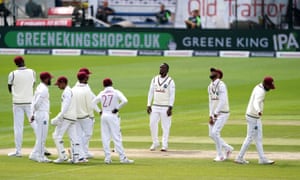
column 107, row 82
column 45, row 75
column 82, row 75
column 19, row 60
column 61, row 79
column 86, row 70
column 269, row 81
column 217, row 71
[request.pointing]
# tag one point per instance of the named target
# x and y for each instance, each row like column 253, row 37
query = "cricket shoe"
column 59, row 160
column 164, row 149
column 14, row 154
column 47, row 153
column 219, row 159
column 107, row 161
column 266, row 161
column 126, row 161
column 34, row 158
column 45, row 160
column 89, row 155
column 228, row 152
column 154, row 146
column 241, row 161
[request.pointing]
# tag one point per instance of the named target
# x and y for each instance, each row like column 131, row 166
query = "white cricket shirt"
column 218, row 97
column 40, row 101
column 110, row 99
column 256, row 102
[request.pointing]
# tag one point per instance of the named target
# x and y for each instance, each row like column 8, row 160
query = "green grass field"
column 132, row 75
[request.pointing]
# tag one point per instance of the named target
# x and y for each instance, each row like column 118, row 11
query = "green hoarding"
column 151, row 39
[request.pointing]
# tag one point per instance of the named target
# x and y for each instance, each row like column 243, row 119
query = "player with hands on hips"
column 254, row 125
column 218, row 113
column 65, row 122
column 40, row 109
column 161, row 97
column 112, row 100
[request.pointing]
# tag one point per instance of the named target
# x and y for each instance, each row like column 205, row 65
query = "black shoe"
column 46, row 153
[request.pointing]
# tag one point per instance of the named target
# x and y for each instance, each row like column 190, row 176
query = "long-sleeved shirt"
column 83, row 97
column 218, row 97
column 22, row 81
column 40, row 101
column 68, row 105
column 161, row 91
column 256, row 102
column 110, row 99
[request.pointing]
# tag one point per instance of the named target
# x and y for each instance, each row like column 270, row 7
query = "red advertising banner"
column 66, row 22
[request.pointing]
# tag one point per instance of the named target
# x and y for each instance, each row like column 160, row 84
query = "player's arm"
column 172, row 98
column 122, row 98
column 95, row 102
column 150, row 96
column 10, row 81
column 67, row 97
column 222, row 98
column 211, row 119
column 258, row 102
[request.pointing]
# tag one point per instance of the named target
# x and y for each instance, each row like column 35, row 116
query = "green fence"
column 152, row 39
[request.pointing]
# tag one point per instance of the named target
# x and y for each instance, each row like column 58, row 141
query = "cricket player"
column 218, row 113
column 254, row 125
column 20, row 85
column 112, row 100
column 161, row 96
column 89, row 124
column 65, row 122
column 84, row 108
column 40, row 109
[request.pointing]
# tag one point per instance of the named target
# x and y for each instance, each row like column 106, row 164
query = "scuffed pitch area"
column 194, row 154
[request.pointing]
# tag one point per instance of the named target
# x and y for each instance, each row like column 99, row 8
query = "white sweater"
column 161, row 91
column 22, row 81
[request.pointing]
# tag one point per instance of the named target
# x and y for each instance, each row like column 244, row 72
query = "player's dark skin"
column 163, row 71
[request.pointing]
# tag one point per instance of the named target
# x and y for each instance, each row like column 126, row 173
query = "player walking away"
column 112, row 100
column 89, row 123
column 20, row 85
column 218, row 113
column 65, row 122
column 162, row 92
column 40, row 108
column 84, row 108
column 254, row 125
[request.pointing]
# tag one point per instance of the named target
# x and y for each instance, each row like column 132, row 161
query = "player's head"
column 62, row 82
column 19, row 61
column 268, row 83
column 86, row 70
column 107, row 82
column 162, row 7
column 163, row 69
column 82, row 77
column 215, row 74
column 46, row 78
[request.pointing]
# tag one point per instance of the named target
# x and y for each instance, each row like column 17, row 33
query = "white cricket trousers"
column 254, row 132
column 58, row 134
column 160, row 114
column 19, row 111
column 41, row 118
column 110, row 129
column 215, row 134
column 84, row 129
